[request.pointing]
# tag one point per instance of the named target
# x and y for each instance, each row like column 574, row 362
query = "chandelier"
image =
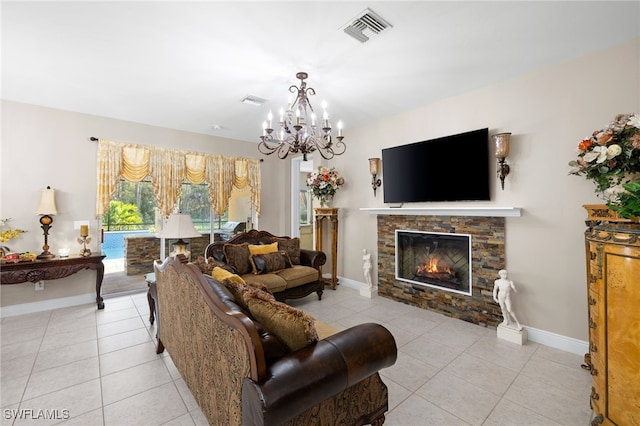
column 298, row 130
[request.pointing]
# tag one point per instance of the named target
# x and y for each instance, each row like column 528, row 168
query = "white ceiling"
column 188, row 65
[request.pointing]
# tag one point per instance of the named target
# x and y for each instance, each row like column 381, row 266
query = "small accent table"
column 152, row 294
column 53, row 269
column 330, row 213
column 154, row 314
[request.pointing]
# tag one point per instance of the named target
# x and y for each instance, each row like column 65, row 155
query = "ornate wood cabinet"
column 613, row 281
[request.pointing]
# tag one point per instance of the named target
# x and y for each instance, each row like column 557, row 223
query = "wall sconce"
column 374, row 169
column 47, row 209
column 501, row 141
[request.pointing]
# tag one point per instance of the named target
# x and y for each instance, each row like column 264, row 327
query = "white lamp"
column 179, row 226
column 47, row 208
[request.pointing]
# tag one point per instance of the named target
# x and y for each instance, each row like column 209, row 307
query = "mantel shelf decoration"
column 324, row 183
column 610, row 158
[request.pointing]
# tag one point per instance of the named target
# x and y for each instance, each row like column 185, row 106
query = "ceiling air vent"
column 366, row 25
column 253, row 100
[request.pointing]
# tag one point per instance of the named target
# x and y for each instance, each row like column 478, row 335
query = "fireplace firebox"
column 433, row 259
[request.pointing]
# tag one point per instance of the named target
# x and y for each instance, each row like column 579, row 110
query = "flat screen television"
column 451, row 168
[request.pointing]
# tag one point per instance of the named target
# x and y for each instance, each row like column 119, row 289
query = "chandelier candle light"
column 298, row 130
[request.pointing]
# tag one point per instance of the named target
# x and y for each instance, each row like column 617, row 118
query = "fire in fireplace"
column 433, row 259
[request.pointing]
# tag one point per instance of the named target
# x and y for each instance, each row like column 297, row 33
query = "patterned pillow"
column 270, row 262
column 295, row 328
column 237, row 286
column 237, row 255
column 207, row 267
column 291, row 246
column 263, row 248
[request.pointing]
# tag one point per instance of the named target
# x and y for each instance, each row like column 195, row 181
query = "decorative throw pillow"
column 238, row 290
column 291, row 246
column 202, row 265
column 293, row 327
column 238, row 256
column 222, row 274
column 207, row 266
column 263, row 248
column 270, row 262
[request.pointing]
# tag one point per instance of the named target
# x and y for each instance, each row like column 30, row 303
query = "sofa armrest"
column 315, row 373
column 312, row 258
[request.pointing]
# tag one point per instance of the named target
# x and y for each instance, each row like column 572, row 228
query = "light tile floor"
column 100, row 368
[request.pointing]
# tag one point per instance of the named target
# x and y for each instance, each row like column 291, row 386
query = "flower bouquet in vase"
column 324, row 183
column 6, row 235
column 610, row 158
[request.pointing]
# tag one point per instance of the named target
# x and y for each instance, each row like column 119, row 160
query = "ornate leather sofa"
column 242, row 373
column 299, row 280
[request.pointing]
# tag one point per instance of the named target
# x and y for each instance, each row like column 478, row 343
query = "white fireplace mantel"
column 446, row 211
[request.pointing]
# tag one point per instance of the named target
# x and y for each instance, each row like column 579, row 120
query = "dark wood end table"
column 53, row 269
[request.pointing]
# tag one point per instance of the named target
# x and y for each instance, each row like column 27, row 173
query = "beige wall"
column 548, row 112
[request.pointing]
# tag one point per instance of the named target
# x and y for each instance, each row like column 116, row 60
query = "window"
column 305, row 205
column 132, row 208
column 194, row 200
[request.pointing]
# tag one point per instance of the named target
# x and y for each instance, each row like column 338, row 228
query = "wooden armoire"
column 613, row 295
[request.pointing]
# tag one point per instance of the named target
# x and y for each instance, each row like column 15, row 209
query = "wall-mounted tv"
column 451, row 168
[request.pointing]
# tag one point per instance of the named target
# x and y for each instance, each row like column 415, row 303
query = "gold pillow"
column 263, row 248
column 295, row 328
column 222, row 274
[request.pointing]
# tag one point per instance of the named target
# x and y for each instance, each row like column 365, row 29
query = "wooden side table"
column 330, row 213
column 53, row 269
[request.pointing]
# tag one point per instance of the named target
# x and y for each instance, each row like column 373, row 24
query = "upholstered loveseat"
column 279, row 263
column 242, row 372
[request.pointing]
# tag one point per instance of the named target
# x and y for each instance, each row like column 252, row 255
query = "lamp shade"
column 47, row 202
column 179, row 226
column 501, row 141
column 374, row 166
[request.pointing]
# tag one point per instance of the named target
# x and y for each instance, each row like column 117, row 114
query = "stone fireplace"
column 485, row 239
column 434, row 259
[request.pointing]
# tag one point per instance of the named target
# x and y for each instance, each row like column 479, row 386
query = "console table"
column 330, row 213
column 53, row 269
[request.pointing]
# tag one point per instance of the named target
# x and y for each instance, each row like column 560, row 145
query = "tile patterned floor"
column 100, row 368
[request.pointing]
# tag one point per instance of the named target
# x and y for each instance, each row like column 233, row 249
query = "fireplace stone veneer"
column 487, row 258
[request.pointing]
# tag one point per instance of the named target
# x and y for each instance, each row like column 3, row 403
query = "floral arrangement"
column 9, row 234
column 324, row 183
column 610, row 156
column 611, row 159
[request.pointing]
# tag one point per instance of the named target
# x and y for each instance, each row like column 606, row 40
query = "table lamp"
column 47, row 209
column 179, row 226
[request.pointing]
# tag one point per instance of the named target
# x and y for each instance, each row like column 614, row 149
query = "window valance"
column 168, row 169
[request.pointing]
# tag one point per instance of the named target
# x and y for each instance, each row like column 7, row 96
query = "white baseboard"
column 547, row 338
column 45, row 305
column 356, row 285
column 558, row 341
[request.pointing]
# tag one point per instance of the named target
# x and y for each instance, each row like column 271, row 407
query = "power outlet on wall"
column 40, row 285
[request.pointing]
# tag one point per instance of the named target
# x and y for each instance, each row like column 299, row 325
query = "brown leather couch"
column 300, row 280
column 241, row 373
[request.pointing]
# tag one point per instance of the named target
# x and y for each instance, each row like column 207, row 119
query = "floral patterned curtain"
column 168, row 169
